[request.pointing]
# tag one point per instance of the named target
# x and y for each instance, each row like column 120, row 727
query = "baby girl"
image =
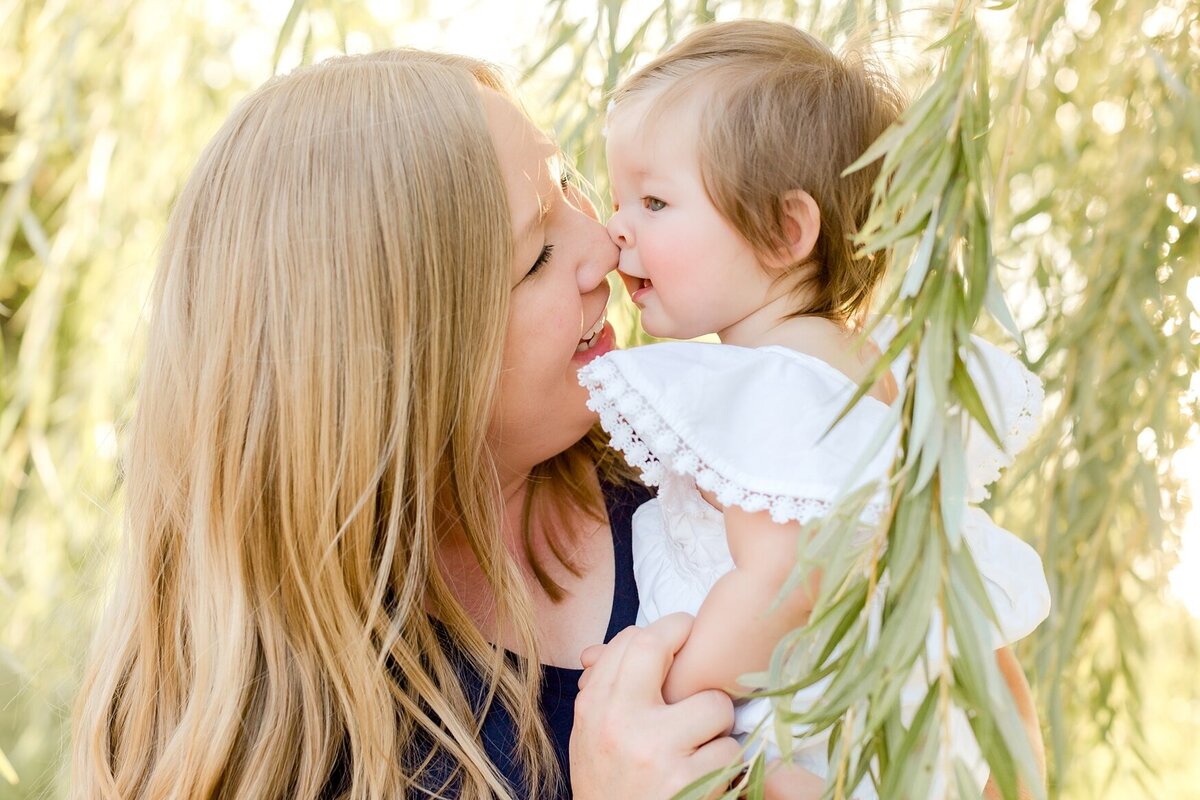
column 733, row 218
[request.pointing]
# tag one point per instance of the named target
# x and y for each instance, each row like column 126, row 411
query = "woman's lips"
column 605, row 342
column 591, row 333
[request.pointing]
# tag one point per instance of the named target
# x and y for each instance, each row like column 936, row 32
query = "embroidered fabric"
column 1013, row 398
column 755, row 427
column 651, row 444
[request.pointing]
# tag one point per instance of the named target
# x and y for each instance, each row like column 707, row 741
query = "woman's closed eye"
column 542, row 259
column 651, row 203
column 567, row 185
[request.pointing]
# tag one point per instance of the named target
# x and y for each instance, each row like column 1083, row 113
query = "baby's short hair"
column 781, row 112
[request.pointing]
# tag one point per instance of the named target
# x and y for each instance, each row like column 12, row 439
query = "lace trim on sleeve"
column 651, row 445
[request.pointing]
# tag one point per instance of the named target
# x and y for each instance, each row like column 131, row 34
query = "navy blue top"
column 560, row 685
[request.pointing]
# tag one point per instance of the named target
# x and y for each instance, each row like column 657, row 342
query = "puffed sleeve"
column 754, row 426
column 1012, row 397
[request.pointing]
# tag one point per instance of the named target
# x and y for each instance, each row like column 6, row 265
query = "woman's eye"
column 542, row 258
column 653, row 204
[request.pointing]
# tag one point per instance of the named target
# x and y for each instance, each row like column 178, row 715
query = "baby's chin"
column 659, row 330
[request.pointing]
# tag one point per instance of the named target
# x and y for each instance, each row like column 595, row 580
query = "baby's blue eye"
column 653, row 204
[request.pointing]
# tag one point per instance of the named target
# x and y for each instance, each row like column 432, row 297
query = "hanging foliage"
column 1054, row 151
column 1051, row 155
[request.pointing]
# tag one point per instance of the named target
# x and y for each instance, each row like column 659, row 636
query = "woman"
column 360, row 460
column 361, row 364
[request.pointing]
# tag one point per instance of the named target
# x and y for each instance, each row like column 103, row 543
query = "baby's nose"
column 619, row 232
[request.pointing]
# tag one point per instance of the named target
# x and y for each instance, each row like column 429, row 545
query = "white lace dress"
column 749, row 425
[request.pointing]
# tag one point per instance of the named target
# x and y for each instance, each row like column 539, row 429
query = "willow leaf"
column 964, row 389
column 917, row 753
column 899, row 342
column 6, row 770
column 286, row 31
column 952, row 484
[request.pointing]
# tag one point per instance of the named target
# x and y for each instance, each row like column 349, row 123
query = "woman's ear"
column 801, row 226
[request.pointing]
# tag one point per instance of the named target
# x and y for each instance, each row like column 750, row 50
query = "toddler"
column 733, row 218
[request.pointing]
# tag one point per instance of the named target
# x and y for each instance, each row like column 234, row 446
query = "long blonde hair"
column 329, row 313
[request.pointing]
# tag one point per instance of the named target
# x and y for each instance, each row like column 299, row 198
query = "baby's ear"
column 801, row 226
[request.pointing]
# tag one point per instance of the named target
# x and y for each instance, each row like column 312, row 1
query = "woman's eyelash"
column 542, row 258
column 564, row 182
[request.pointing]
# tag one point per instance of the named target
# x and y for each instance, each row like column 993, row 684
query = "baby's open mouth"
column 632, row 283
column 638, row 288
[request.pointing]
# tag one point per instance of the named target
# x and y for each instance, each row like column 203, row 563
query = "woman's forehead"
column 527, row 156
column 517, row 139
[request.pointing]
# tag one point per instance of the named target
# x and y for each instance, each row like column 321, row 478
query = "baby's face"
column 684, row 265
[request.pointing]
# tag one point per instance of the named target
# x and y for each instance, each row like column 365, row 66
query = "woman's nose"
column 601, row 260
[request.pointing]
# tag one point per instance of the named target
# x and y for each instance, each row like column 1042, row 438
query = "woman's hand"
column 789, row 782
column 626, row 741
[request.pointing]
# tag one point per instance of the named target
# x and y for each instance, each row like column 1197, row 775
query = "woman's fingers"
column 637, row 658
column 626, row 741
column 646, row 658
column 705, row 715
column 717, row 754
column 591, row 655
column 605, row 658
column 588, row 658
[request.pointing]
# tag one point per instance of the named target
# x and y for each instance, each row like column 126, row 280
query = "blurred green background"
column 105, row 105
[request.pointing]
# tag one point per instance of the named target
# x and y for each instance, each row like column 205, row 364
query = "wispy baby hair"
column 780, row 112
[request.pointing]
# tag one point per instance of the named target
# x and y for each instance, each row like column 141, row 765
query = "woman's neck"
column 514, row 494
column 565, row 626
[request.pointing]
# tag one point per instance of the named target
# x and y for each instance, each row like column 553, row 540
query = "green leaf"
column 919, row 267
column 952, row 482
column 917, row 754
column 968, row 396
column 898, row 343
column 6, row 770
column 929, row 103
column 565, row 33
column 285, row 32
column 997, row 306
column 711, row 785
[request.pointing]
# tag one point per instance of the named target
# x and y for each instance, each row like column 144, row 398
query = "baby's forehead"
column 670, row 110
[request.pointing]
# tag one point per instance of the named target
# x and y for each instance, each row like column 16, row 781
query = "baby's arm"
column 736, row 628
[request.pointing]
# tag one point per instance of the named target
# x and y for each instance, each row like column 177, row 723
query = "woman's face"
column 559, row 293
